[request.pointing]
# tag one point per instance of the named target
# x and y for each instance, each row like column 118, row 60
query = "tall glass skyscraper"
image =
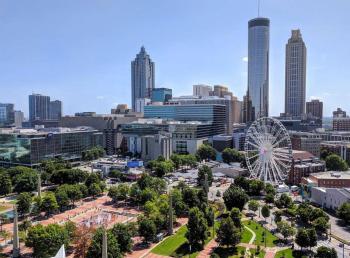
column 258, row 69
column 295, row 75
column 142, row 77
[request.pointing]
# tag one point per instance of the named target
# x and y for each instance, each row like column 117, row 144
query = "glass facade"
column 258, row 68
column 161, row 94
column 6, row 114
column 31, row 149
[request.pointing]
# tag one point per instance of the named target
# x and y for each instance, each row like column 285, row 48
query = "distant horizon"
column 80, row 53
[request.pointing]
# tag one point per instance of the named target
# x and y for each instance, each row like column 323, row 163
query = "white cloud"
column 315, row 97
column 100, row 97
column 245, row 59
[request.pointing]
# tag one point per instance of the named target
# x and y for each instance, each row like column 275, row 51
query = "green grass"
column 258, row 229
column 169, row 245
column 289, row 253
column 286, row 253
column 184, row 250
column 246, row 236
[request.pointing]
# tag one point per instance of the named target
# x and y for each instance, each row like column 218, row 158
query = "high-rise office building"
column 39, row 107
column 142, row 77
column 314, row 109
column 55, row 110
column 19, row 118
column 258, row 68
column 202, row 90
column 6, row 114
column 295, row 81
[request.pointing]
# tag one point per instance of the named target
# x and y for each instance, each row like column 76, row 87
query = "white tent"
column 61, row 253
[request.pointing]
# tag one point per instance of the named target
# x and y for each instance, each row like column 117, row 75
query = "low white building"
column 330, row 198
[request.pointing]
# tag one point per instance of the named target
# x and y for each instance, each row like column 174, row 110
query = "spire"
column 104, row 244
column 16, row 251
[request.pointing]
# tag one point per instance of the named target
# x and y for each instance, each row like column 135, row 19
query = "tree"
column 93, row 178
column 253, row 205
column 242, row 182
column 147, row 229
column 74, row 193
column 95, row 249
column 284, row 201
column 235, row 197
column 255, row 187
column 318, row 213
column 197, row 227
column 123, row 236
column 94, row 190
column 306, row 238
column 162, row 168
column 116, row 174
column 177, row 160
column 49, row 203
column 336, row 163
column 302, row 238
column 62, row 198
column 343, row 212
column 202, row 171
column 82, row 240
column 209, row 216
column 228, row 234
column 231, row 155
column 321, row 225
column 68, row 176
column 269, row 198
column 46, row 241
column 26, row 181
column 303, row 212
column 206, row 152
column 270, row 189
column 326, row 252
column 120, row 192
column 93, row 153
column 236, row 215
column 278, row 216
column 179, row 205
column 285, row 229
column 312, row 235
column 5, row 184
column 190, row 197
column 265, row 211
column 24, row 203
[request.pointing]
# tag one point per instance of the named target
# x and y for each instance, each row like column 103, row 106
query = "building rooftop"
column 332, row 175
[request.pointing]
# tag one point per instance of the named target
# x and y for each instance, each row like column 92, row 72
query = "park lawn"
column 3, row 208
column 258, row 229
column 246, row 236
column 288, row 253
column 170, row 244
column 183, row 250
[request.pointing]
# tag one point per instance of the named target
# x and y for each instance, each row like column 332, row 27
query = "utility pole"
column 170, row 229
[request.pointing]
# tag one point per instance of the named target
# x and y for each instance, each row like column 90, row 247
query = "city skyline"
column 97, row 81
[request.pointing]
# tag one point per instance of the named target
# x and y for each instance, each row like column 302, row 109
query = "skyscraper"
column 258, row 68
column 39, row 107
column 55, row 110
column 314, row 109
column 6, row 114
column 142, row 77
column 295, row 75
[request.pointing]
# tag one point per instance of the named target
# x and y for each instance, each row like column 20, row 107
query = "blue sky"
column 80, row 51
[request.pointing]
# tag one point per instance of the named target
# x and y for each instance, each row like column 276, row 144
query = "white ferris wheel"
column 268, row 150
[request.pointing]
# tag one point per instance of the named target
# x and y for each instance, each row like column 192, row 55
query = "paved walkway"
column 208, row 249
